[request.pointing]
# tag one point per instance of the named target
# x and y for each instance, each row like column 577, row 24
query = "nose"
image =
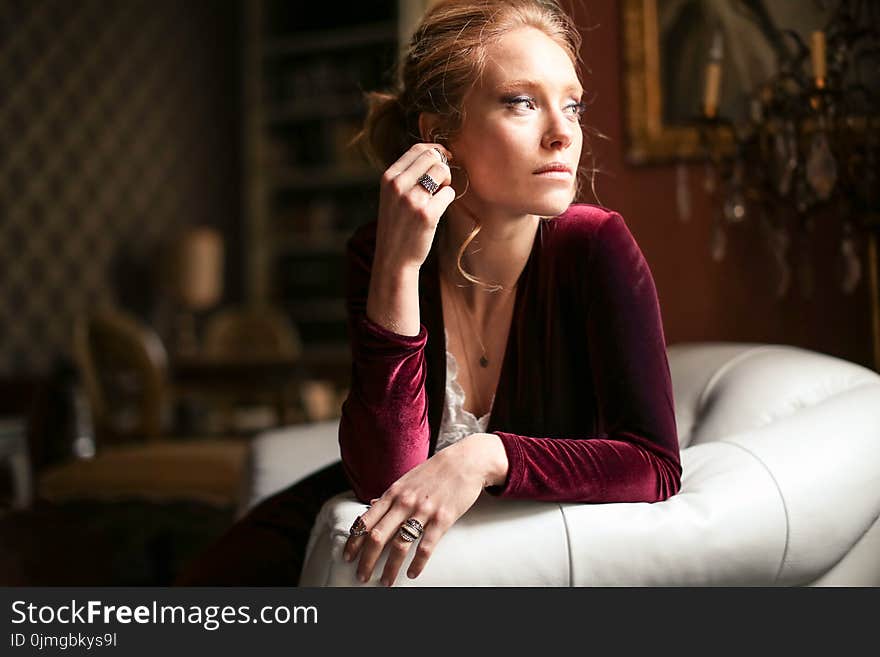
column 559, row 131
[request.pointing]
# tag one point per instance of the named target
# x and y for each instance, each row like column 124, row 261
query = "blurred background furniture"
column 14, row 456
column 248, row 370
column 306, row 189
column 781, row 486
column 251, row 333
column 283, row 456
column 123, row 366
column 195, row 280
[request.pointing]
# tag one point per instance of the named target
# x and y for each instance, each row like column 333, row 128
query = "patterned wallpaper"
column 118, row 125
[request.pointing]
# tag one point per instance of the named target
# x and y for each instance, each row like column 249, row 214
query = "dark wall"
column 702, row 299
column 120, row 124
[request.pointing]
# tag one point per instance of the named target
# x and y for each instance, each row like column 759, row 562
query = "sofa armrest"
column 496, row 543
column 282, row 457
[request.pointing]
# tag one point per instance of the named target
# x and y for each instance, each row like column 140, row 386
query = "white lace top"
column 457, row 422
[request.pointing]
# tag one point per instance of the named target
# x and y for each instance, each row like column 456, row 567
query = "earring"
column 441, row 139
column 467, row 180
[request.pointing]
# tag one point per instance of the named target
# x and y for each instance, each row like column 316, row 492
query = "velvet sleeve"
column 383, row 431
column 636, row 456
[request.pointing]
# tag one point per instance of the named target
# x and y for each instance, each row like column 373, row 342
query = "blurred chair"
column 256, row 335
column 251, row 333
column 123, row 365
column 124, row 368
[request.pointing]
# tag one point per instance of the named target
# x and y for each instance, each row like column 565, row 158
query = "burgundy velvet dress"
column 584, row 404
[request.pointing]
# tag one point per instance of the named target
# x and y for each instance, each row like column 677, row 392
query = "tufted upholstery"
column 781, row 486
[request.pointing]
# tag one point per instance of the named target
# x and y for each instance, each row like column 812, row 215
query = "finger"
column 397, row 553
column 416, row 151
column 379, row 536
column 440, row 173
column 441, row 200
column 355, row 536
column 434, row 531
column 358, row 531
column 369, row 517
column 427, row 162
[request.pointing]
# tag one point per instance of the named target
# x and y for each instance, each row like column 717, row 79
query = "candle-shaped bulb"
column 712, row 90
column 817, row 55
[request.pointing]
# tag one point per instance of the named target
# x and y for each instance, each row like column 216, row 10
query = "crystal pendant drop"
column 735, row 202
column 779, row 241
column 851, row 265
column 719, row 240
column 821, row 167
column 735, row 206
column 785, row 158
column 682, row 192
column 484, row 362
column 709, row 183
column 805, row 263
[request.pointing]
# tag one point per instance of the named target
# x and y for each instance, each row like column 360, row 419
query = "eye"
column 515, row 101
column 579, row 108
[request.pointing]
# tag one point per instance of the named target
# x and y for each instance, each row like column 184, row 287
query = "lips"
column 559, row 167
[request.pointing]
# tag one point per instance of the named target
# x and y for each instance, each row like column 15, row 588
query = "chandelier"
column 806, row 146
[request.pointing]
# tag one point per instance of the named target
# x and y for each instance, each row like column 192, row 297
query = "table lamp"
column 198, row 281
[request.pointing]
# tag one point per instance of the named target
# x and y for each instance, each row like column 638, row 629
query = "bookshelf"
column 305, row 69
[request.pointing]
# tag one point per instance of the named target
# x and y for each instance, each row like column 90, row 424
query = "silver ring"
column 410, row 530
column 358, row 527
column 442, row 156
column 428, row 183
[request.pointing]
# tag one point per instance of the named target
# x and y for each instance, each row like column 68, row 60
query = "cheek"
column 502, row 159
column 579, row 140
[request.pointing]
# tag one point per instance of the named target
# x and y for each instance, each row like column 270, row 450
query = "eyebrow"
column 576, row 88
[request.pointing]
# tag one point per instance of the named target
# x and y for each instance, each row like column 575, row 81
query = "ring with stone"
column 358, row 527
column 410, row 530
column 428, row 183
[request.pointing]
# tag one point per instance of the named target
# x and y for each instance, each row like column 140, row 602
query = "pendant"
column 484, row 362
column 821, row 167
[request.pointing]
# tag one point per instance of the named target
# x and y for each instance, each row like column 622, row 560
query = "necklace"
column 484, row 358
column 466, row 355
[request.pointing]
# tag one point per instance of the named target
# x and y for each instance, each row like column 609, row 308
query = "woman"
column 504, row 340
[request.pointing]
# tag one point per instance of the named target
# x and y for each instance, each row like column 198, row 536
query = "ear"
column 428, row 124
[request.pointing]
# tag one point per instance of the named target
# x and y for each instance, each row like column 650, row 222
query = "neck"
column 496, row 256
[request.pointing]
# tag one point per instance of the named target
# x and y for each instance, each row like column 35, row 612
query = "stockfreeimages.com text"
column 211, row 617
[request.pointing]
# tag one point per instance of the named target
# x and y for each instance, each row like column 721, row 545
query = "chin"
column 552, row 205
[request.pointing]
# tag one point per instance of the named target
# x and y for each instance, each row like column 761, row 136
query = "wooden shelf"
column 328, row 360
column 326, row 107
column 331, row 242
column 319, row 178
column 327, row 40
column 327, row 352
column 317, row 310
column 305, row 188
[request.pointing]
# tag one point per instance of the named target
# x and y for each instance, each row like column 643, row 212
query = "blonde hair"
column 445, row 57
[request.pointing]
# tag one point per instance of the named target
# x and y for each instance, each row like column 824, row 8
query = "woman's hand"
column 409, row 213
column 436, row 493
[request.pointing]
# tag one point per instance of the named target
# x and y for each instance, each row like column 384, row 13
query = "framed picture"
column 667, row 45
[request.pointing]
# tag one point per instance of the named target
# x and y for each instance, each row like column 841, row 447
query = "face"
column 523, row 115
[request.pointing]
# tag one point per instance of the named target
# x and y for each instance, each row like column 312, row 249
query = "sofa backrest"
column 726, row 388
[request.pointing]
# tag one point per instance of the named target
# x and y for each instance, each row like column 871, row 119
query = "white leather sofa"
column 781, row 486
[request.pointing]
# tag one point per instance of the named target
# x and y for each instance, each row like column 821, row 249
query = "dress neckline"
column 453, row 382
column 431, row 302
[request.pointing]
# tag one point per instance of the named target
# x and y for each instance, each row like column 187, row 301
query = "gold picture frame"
column 648, row 139
column 666, row 48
